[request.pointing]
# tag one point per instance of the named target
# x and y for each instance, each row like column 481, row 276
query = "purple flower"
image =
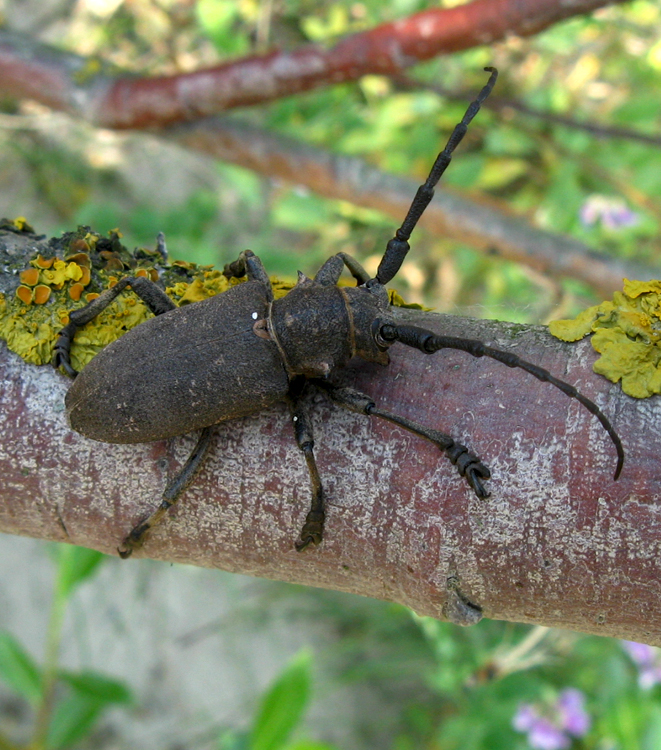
column 648, row 661
column 571, row 709
column 546, row 736
column 552, row 726
column 613, row 213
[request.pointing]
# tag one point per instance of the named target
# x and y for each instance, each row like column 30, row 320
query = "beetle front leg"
column 248, row 264
column 313, row 528
column 172, row 493
column 149, row 292
column 468, row 464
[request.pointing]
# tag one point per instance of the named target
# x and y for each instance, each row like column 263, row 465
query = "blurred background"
column 95, row 653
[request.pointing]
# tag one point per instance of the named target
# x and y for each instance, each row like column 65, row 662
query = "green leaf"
column 72, row 719
column 96, row 686
column 283, row 705
column 17, row 668
column 75, row 564
column 218, row 20
column 230, row 739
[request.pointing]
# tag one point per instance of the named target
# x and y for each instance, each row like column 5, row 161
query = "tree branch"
column 121, row 101
column 449, row 215
column 558, row 543
column 30, row 69
column 503, row 104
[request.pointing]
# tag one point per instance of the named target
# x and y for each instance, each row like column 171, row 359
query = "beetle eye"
column 383, row 334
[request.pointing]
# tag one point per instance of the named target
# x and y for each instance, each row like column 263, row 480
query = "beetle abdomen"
column 183, row 370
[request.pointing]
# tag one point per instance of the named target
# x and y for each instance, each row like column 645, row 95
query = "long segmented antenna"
column 398, row 246
column 429, row 342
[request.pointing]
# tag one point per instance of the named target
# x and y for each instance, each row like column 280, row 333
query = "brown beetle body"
column 158, row 381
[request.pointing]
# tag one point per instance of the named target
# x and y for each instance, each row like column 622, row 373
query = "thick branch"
column 449, row 215
column 137, row 102
column 558, row 543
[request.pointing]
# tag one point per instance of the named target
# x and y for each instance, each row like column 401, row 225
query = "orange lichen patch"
column 82, row 259
column 41, row 294
column 75, row 290
column 24, row 293
column 30, row 276
column 79, row 246
column 92, row 295
column 41, row 262
column 111, row 282
column 143, row 272
column 113, row 261
column 86, row 277
column 55, row 276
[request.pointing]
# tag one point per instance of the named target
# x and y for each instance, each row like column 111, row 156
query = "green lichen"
column 627, row 334
column 82, row 265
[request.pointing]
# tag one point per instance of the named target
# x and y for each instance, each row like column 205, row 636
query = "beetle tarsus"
column 134, row 540
column 313, row 530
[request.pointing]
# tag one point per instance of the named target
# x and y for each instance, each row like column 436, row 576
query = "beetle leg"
column 329, row 273
column 248, row 264
column 313, row 528
column 172, row 493
column 468, row 464
column 429, row 342
column 149, row 292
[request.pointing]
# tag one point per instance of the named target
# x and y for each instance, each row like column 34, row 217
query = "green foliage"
column 283, row 705
column 18, row 670
column 281, row 710
column 74, row 565
column 77, row 712
column 67, row 704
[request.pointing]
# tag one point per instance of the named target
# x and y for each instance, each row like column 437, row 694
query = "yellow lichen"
column 56, row 287
column 627, row 334
column 21, row 223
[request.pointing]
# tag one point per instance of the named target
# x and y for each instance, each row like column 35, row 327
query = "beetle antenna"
column 429, row 342
column 398, row 246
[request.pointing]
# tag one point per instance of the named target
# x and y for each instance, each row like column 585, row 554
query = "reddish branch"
column 137, row 102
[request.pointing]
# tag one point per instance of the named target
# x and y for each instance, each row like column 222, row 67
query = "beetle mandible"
column 166, row 378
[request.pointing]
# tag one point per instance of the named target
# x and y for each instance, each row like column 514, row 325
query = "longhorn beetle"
column 236, row 353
